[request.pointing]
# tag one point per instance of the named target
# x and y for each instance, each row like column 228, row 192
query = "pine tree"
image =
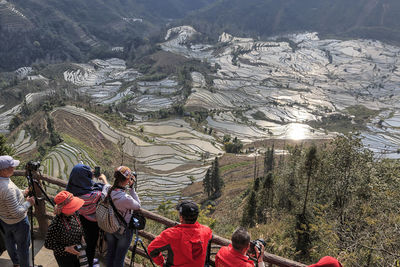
column 207, row 183
column 268, row 187
column 268, row 161
column 265, row 198
column 249, row 213
column 216, row 181
column 256, row 184
column 213, row 183
column 310, row 166
column 303, row 243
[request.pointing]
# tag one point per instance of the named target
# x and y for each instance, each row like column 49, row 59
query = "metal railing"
column 43, row 216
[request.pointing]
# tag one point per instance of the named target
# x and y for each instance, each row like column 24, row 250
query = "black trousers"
column 67, row 261
column 91, row 232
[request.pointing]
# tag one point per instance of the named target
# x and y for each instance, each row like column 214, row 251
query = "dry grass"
column 237, row 171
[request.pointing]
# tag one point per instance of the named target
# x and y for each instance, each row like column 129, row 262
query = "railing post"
column 40, row 207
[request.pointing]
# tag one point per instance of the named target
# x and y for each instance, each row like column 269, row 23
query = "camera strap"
column 119, row 216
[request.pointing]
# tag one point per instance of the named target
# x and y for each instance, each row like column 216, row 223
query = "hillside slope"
column 50, row 30
column 358, row 18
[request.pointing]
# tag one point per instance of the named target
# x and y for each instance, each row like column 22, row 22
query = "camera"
column 32, row 166
column 83, row 260
column 135, row 223
column 256, row 244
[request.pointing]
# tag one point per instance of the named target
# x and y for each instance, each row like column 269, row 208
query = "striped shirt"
column 13, row 207
column 88, row 209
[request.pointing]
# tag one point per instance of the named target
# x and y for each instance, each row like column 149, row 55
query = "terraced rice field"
column 60, row 161
column 175, row 152
column 291, row 85
column 23, row 143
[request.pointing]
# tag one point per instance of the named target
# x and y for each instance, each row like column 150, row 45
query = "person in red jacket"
column 327, row 261
column 235, row 254
column 186, row 243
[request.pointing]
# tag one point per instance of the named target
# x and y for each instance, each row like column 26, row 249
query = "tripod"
column 32, row 183
column 137, row 239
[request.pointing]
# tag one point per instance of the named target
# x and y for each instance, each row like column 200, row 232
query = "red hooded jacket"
column 229, row 257
column 327, row 261
column 186, row 245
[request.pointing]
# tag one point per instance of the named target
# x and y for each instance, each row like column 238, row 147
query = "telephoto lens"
column 83, row 260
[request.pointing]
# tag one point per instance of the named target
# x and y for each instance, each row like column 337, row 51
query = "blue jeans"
column 18, row 238
column 117, row 247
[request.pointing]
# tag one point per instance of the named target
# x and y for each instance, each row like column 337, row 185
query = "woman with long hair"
column 126, row 200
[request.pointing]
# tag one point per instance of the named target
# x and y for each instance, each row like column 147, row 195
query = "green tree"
column 265, row 198
column 310, row 166
column 226, row 138
column 216, row 181
column 249, row 213
column 233, row 147
column 15, row 122
column 268, row 161
column 4, row 148
column 207, row 183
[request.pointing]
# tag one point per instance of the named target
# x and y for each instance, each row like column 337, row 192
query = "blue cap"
column 8, row 161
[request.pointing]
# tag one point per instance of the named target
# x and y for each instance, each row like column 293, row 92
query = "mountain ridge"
column 53, row 31
column 369, row 19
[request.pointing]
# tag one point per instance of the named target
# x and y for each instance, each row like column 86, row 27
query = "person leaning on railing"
column 65, row 231
column 118, row 244
column 13, row 214
column 186, row 243
column 81, row 185
column 236, row 253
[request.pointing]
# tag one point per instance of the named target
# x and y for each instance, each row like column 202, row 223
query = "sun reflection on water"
column 296, row 131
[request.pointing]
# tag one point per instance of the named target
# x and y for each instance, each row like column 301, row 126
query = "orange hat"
column 66, row 203
column 327, row 261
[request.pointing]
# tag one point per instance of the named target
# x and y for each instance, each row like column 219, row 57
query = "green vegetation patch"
column 361, row 113
column 336, row 123
column 354, row 120
column 234, row 166
column 259, row 115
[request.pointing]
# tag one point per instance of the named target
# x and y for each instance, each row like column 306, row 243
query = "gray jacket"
column 124, row 202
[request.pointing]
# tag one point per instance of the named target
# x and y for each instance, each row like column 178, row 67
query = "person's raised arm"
column 103, row 178
column 260, row 256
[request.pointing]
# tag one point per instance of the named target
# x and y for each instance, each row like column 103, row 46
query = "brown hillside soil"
column 237, row 171
column 80, row 128
column 163, row 61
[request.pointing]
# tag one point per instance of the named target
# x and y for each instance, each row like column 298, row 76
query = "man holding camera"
column 236, row 254
column 186, row 242
column 13, row 214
